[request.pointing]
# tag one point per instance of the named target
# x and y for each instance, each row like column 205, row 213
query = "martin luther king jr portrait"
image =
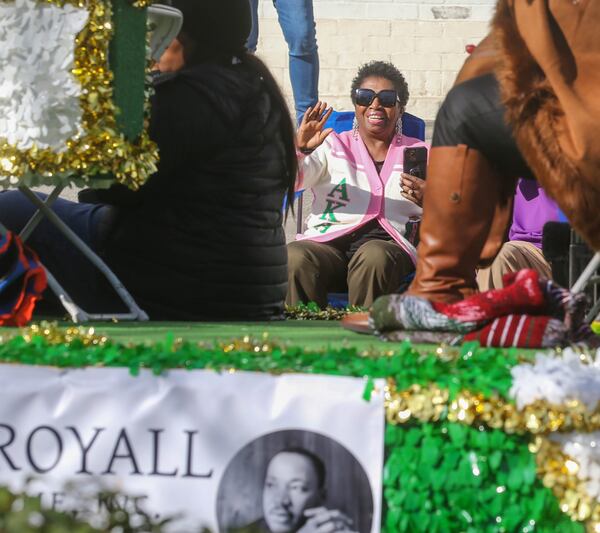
column 294, row 481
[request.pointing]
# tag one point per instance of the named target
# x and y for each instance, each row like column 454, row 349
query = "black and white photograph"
column 294, row 481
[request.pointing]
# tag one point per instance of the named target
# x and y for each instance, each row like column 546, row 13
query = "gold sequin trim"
column 430, row 403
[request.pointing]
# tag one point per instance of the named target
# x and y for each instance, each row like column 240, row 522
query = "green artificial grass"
column 308, row 333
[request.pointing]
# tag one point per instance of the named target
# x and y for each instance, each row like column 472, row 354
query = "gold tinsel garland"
column 430, row 403
column 101, row 150
column 55, row 335
column 558, row 472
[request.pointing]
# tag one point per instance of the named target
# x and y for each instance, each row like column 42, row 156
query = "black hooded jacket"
column 204, row 237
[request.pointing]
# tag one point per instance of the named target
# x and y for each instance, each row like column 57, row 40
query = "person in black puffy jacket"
column 203, row 238
column 206, row 240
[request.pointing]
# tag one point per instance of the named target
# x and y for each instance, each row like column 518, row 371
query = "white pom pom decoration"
column 39, row 96
column 557, row 379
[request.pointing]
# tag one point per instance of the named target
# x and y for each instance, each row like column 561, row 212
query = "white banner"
column 236, row 452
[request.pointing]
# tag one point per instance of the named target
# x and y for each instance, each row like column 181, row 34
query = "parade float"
column 181, row 420
column 475, row 439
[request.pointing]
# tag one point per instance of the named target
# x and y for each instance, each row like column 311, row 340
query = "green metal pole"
column 127, row 59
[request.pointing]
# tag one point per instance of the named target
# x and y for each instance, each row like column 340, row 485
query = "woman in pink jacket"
column 362, row 230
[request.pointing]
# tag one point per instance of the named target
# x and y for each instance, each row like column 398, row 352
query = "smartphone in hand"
column 415, row 161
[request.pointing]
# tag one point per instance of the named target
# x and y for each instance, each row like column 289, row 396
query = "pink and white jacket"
column 348, row 191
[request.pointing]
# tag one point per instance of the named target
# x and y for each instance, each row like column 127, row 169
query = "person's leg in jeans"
column 72, row 270
column 252, row 41
column 297, row 22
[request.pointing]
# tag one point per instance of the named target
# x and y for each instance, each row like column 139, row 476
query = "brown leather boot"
column 498, row 231
column 460, row 203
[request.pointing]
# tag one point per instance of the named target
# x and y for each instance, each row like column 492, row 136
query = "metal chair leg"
column 593, row 313
column 299, row 221
column 76, row 313
column 582, row 282
column 38, row 216
column 587, row 274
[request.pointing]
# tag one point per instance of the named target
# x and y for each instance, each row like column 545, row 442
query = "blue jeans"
column 297, row 22
column 69, row 266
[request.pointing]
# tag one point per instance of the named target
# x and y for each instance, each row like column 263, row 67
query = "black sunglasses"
column 387, row 98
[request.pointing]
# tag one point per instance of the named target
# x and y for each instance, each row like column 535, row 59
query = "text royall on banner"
column 239, row 452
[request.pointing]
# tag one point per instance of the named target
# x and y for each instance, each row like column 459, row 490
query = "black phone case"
column 415, row 161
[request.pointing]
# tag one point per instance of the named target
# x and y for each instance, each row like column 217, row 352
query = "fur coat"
column 549, row 72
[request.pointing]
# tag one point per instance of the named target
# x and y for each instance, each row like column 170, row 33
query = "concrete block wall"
column 425, row 39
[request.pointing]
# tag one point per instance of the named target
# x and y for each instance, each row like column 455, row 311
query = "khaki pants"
column 513, row 256
column 315, row 269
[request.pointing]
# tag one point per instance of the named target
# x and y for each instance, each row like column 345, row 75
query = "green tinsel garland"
column 437, row 477
column 485, row 370
column 449, row 477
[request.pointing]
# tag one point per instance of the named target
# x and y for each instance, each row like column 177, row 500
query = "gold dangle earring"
column 399, row 130
column 355, row 128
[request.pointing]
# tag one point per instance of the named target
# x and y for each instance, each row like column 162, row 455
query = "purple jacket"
column 533, row 208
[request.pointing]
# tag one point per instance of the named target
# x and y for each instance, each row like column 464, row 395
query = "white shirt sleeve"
column 312, row 168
